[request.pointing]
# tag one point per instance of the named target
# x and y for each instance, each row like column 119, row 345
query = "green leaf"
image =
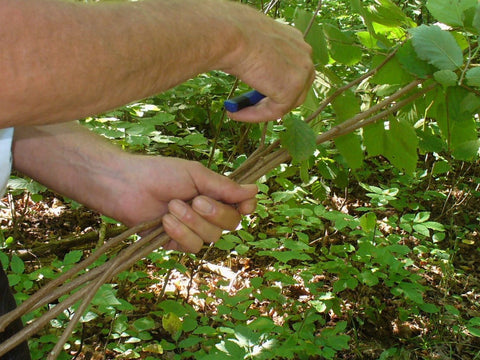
column 476, row 19
column 346, row 106
column 193, row 139
column 224, row 244
column 17, row 265
column 285, row 256
column 298, row 138
column 106, row 296
column 454, row 112
column 368, row 221
column 368, row 278
column 350, row 147
column 421, row 229
column 450, row 12
column 341, row 48
column 412, row 291
column 421, row 217
column 408, row 58
column 367, row 39
column 391, row 73
column 437, row 47
column 4, row 260
column 190, row 341
column 429, row 308
column 401, row 146
column 387, row 13
column 72, row 257
column 473, row 76
column 374, row 138
column 452, row 310
column 173, row 306
column 315, row 36
column 446, row 78
column 144, row 323
column 474, row 331
column 171, row 323
column 232, row 349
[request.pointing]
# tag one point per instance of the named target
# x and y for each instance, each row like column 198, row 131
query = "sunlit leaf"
column 171, row 323
column 450, row 12
column 436, row 46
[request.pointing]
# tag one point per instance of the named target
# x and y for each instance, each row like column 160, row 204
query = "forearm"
column 72, row 161
column 66, row 60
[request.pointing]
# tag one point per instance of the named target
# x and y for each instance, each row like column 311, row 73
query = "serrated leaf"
column 387, row 13
column 298, row 138
column 446, row 78
column 401, row 146
column 450, row 12
column 437, row 47
column 473, row 77
column 410, row 61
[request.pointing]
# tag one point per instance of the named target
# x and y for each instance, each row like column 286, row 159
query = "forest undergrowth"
column 299, row 270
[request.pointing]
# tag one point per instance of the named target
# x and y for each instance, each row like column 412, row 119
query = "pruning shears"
column 242, row 101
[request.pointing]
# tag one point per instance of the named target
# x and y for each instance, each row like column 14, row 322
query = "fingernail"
column 202, row 205
column 177, row 208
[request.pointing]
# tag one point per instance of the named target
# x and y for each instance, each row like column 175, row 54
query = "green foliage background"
column 363, row 247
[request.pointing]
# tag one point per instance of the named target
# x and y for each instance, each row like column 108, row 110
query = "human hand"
column 272, row 58
column 197, row 204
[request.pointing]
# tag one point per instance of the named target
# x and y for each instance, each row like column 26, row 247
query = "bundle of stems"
column 82, row 282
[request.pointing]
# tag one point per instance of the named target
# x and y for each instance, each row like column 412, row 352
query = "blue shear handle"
column 240, row 102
